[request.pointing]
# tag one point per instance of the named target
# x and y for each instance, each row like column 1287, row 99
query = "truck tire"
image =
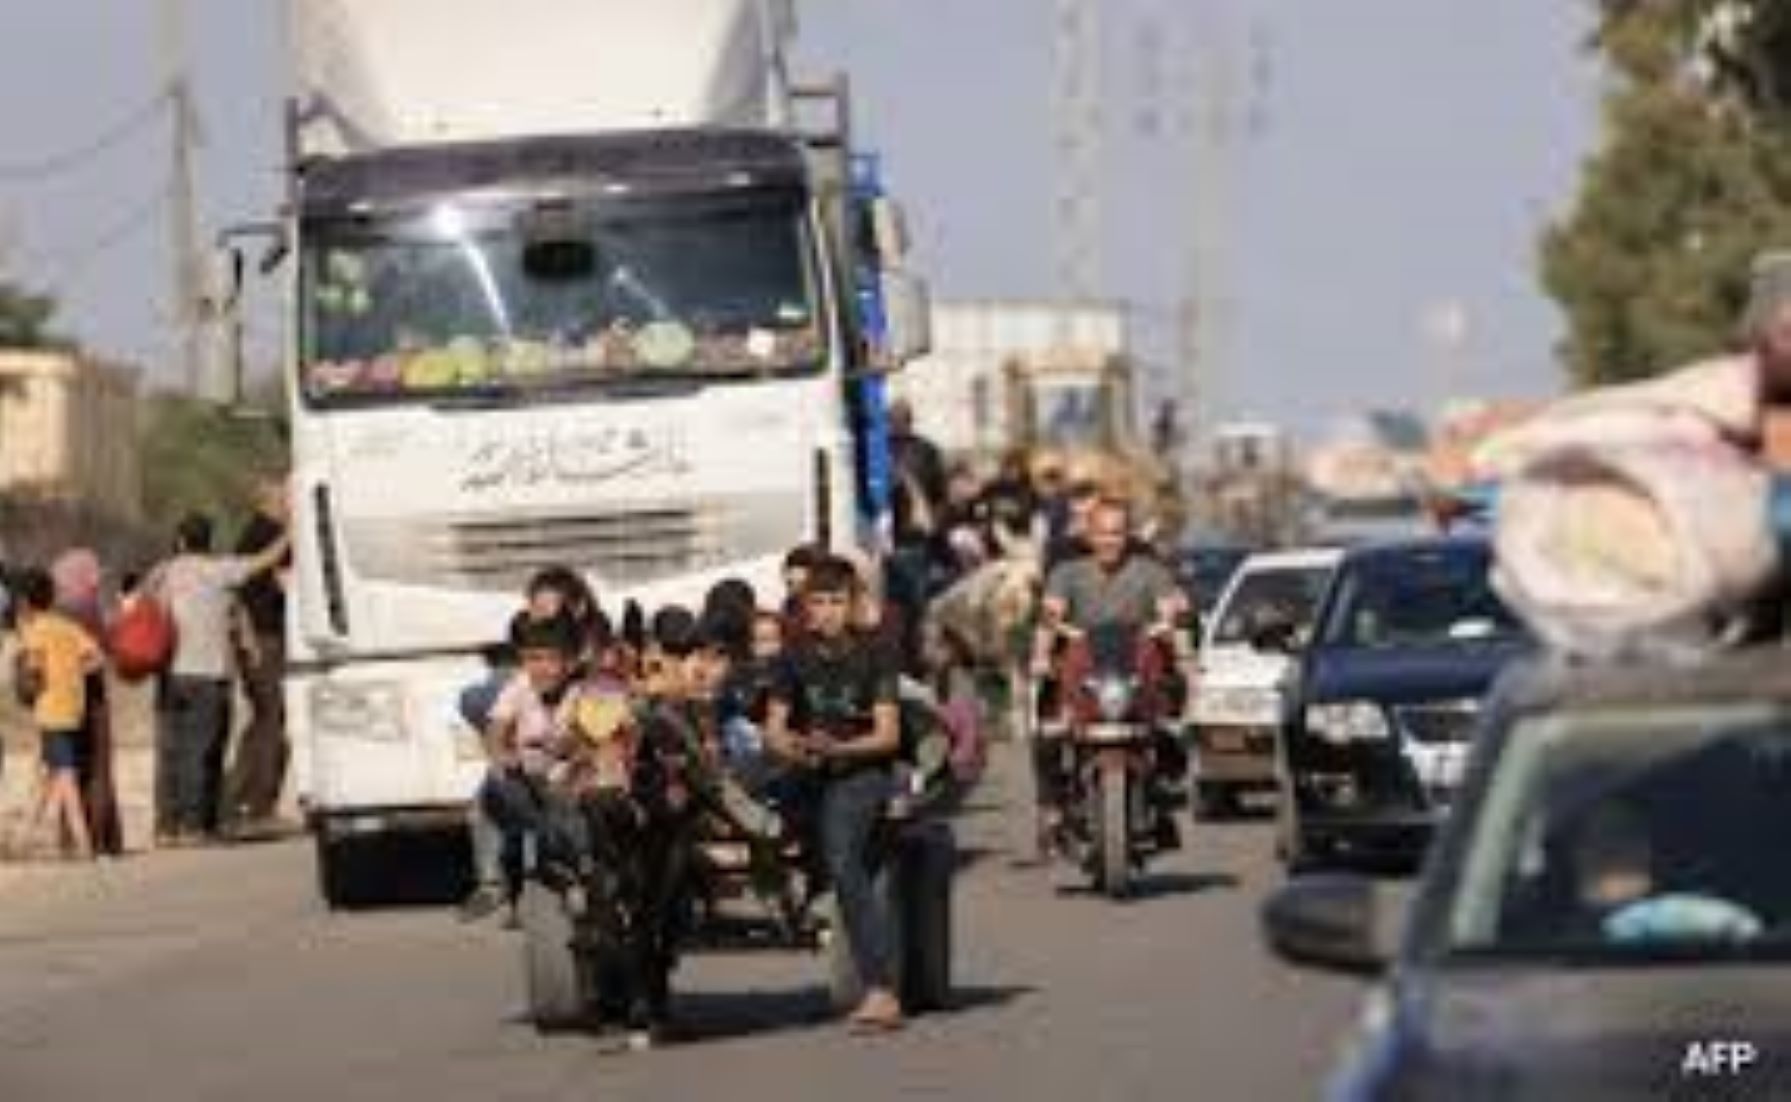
column 551, row 968
column 926, row 873
column 341, row 877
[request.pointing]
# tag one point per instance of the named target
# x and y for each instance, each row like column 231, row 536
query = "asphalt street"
column 217, row 975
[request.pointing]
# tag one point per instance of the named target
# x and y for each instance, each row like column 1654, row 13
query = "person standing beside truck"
column 193, row 709
column 259, row 770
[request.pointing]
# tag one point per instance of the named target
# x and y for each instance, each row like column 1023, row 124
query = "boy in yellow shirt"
column 60, row 654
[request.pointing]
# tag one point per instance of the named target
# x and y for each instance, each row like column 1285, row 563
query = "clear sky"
column 1408, row 155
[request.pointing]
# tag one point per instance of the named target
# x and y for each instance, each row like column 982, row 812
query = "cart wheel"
column 927, row 865
column 551, row 967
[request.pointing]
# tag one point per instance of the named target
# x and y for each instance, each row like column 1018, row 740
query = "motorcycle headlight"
column 372, row 710
column 1113, row 697
column 1354, row 721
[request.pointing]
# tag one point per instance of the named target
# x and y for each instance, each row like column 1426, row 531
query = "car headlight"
column 1113, row 697
column 1355, row 721
column 372, row 710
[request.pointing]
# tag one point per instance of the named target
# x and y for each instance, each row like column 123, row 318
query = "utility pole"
column 1222, row 112
column 1078, row 115
column 183, row 217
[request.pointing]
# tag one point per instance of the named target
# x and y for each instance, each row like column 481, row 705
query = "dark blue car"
column 1408, row 640
column 1605, row 915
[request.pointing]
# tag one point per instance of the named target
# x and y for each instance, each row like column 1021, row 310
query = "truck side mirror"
column 889, row 226
column 220, row 310
column 908, row 318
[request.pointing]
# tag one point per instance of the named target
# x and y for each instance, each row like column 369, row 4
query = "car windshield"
column 1654, row 832
column 1419, row 599
column 1208, row 570
column 505, row 295
column 1291, row 592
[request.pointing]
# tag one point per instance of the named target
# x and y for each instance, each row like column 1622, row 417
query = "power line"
column 67, row 160
column 74, row 263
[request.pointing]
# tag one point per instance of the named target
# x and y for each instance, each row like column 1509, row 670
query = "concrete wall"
column 69, row 432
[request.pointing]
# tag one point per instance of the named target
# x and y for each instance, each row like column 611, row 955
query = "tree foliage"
column 200, row 457
column 1692, row 182
column 25, row 318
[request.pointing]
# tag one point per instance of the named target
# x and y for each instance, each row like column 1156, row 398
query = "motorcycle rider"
column 1116, row 584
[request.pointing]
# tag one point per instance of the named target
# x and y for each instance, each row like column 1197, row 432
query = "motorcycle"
column 1107, row 750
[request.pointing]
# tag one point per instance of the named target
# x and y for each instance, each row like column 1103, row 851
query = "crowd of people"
column 609, row 741
column 225, row 618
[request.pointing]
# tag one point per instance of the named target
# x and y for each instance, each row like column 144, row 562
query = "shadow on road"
column 1163, row 885
column 974, row 855
column 725, row 1015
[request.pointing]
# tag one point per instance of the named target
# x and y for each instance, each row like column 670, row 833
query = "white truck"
column 571, row 287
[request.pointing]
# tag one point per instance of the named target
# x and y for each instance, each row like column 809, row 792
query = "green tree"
column 25, row 318
column 200, row 457
column 1692, row 182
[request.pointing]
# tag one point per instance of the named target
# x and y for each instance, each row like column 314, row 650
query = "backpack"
column 141, row 641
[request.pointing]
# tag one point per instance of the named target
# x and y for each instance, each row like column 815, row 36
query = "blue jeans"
column 851, row 811
column 194, row 729
column 510, row 807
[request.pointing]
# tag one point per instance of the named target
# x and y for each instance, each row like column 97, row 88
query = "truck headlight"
column 1354, row 721
column 1113, row 697
column 372, row 710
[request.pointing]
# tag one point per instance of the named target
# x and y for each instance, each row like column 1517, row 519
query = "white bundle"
column 1632, row 519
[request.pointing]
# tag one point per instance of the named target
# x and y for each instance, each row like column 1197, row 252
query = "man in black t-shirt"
column 259, row 770
column 835, row 711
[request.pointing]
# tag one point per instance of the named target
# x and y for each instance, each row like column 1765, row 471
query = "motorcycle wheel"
column 1114, row 850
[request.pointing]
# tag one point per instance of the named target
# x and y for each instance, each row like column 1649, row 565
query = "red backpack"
column 142, row 638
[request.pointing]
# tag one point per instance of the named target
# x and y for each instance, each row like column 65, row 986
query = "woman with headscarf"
column 79, row 581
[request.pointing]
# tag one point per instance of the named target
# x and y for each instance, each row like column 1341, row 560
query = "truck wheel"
column 927, row 871
column 341, row 878
column 550, row 965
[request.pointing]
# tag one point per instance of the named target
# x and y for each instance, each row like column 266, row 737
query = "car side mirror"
column 1332, row 922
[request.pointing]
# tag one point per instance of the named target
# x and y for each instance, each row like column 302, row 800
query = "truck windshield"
column 468, row 298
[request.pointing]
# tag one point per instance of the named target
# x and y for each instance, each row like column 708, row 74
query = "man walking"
column 259, row 769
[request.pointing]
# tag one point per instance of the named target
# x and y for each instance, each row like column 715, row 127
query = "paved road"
column 215, row 975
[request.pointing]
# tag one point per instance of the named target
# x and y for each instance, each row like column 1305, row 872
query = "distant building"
column 961, row 392
column 69, row 433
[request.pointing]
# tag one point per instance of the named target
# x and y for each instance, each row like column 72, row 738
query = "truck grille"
column 1434, row 724
column 622, row 546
